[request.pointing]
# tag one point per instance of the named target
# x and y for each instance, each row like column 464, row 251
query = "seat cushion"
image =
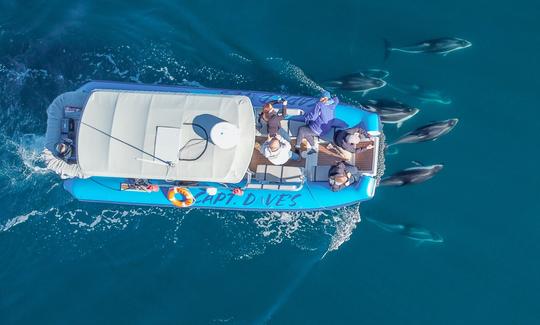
column 279, row 174
column 294, row 125
column 292, row 174
column 320, row 173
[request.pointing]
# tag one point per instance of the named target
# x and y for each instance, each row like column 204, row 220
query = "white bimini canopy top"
column 161, row 135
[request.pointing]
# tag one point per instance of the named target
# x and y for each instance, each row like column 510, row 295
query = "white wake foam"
column 156, row 64
column 10, row 223
column 288, row 70
column 106, row 219
column 18, row 74
column 344, row 224
column 29, row 149
column 279, row 226
column 23, row 159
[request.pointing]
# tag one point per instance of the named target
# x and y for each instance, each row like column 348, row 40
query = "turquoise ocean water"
column 67, row 262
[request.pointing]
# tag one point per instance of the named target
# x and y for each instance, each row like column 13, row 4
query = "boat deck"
column 324, row 157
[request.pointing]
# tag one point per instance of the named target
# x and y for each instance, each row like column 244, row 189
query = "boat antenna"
column 168, row 163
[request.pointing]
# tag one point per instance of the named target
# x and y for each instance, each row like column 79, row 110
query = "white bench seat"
column 284, row 178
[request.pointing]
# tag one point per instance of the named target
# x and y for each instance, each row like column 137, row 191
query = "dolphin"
column 429, row 132
column 391, row 111
column 412, row 175
column 391, row 151
column 417, row 233
column 356, row 82
column 443, row 46
column 375, row 73
column 423, row 94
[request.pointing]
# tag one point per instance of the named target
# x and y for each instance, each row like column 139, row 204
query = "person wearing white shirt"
column 278, row 150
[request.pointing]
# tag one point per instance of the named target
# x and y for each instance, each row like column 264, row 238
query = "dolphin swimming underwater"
column 412, row 175
column 429, row 132
column 356, row 82
column 391, row 111
column 443, row 46
column 375, row 73
column 423, row 94
column 417, row 233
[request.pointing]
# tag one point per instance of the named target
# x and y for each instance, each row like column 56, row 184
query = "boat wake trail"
column 279, row 226
column 244, row 235
column 20, row 219
column 310, row 230
column 157, row 64
column 30, row 148
column 293, row 75
column 22, row 159
column 344, row 224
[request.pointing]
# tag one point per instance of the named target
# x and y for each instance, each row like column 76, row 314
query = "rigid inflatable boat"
column 188, row 147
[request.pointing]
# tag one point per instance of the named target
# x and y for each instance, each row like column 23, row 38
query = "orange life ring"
column 188, row 197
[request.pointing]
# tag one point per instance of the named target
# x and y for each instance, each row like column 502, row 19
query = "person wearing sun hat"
column 317, row 121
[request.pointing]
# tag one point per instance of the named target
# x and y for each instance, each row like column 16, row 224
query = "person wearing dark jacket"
column 342, row 175
column 346, row 141
column 64, row 149
column 271, row 117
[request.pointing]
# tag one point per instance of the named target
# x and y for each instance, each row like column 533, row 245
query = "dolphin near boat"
column 416, row 233
column 412, row 175
column 425, row 95
column 429, row 132
column 375, row 73
column 391, row 111
column 443, row 46
column 356, row 82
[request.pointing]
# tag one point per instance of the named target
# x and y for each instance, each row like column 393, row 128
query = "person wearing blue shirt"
column 317, row 121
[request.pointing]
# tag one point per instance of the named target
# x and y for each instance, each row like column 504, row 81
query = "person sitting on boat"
column 278, row 150
column 342, row 175
column 317, row 121
column 140, row 185
column 271, row 117
column 346, row 141
column 64, row 149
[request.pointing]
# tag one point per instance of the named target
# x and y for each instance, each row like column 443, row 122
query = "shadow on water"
column 289, row 290
column 343, row 225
